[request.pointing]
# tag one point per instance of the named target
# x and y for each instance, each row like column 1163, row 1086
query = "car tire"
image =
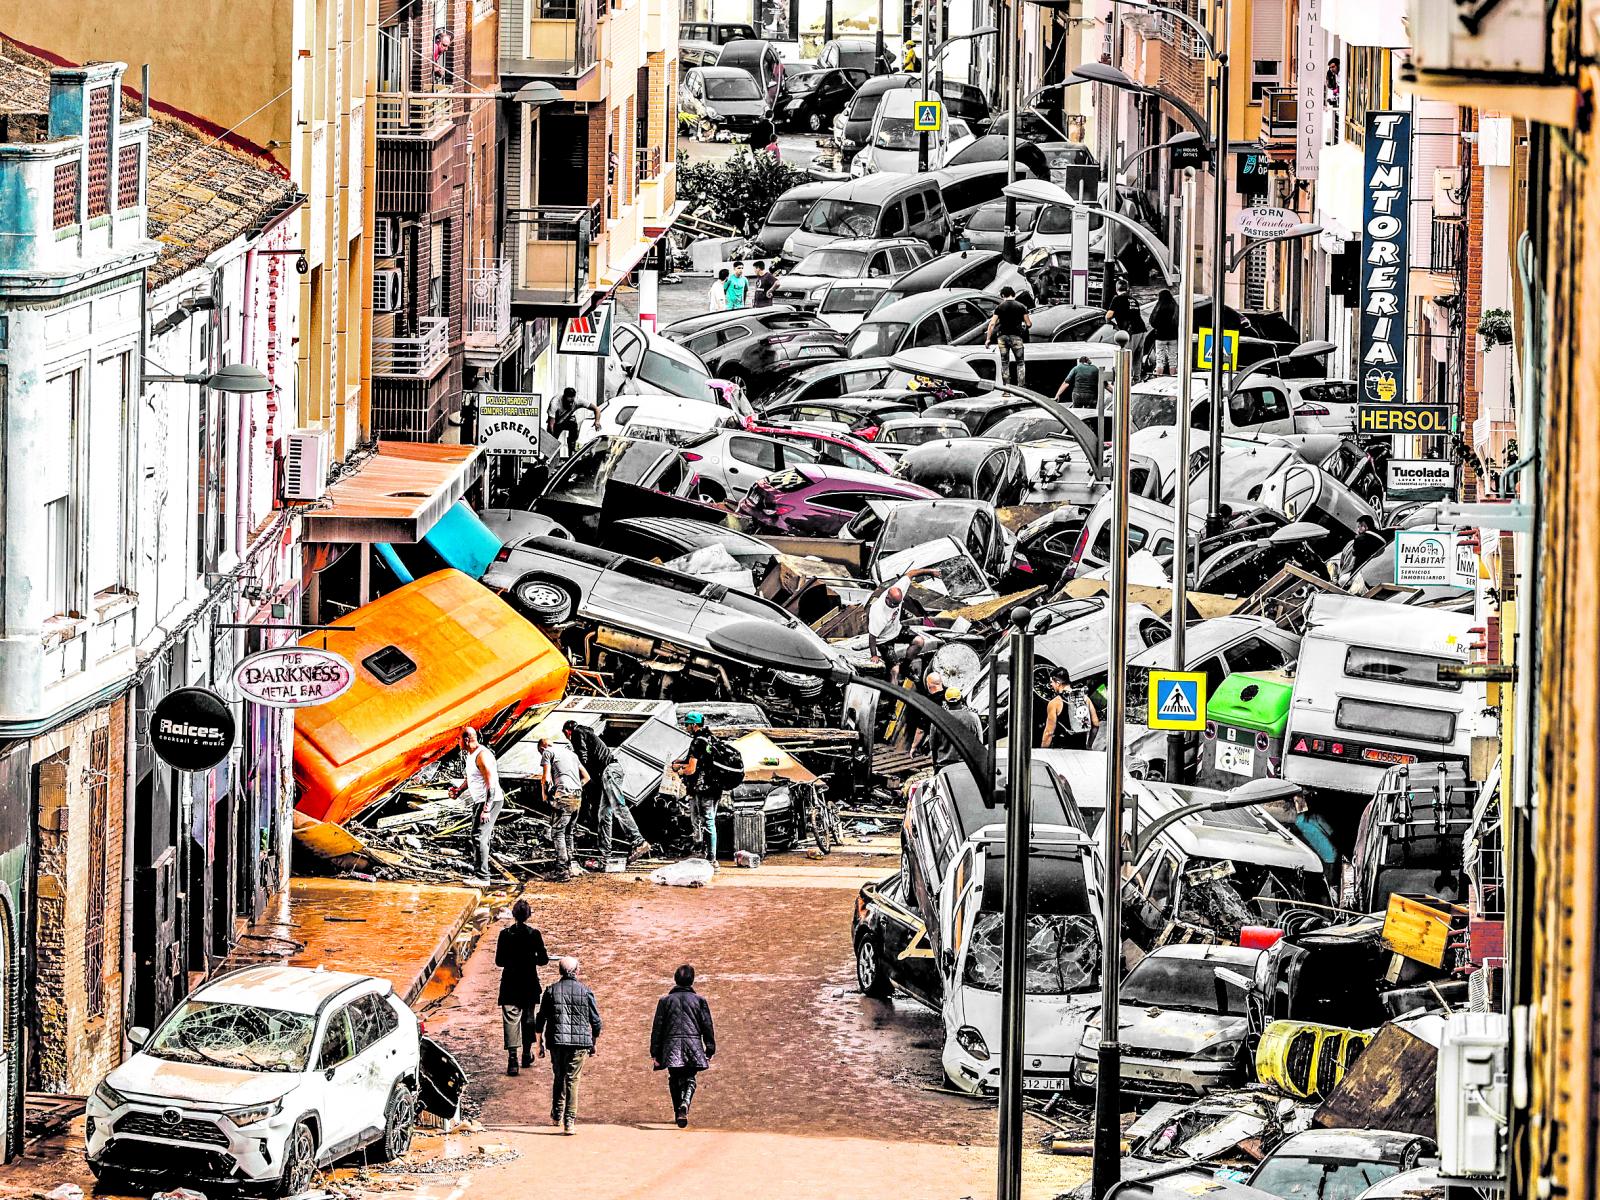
column 871, row 976
column 399, row 1115
column 543, row 599
column 709, row 493
column 299, row 1161
column 814, row 122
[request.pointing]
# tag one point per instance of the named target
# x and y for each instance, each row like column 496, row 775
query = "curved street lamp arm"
column 1288, row 236
column 1149, row 833
column 973, row 756
column 1157, row 248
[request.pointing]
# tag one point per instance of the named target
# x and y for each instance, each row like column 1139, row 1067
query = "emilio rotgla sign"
column 1385, row 256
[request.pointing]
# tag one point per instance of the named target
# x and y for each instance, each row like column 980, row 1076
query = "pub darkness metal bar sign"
column 1385, row 257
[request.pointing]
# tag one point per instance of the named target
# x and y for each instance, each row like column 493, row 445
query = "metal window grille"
column 98, row 778
column 128, row 177
column 99, row 152
column 66, row 195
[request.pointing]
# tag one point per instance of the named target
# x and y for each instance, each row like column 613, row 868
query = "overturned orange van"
column 429, row 658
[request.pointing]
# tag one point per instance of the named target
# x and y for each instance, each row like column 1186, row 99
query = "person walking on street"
column 569, row 1024
column 682, row 1041
column 737, row 285
column 482, row 783
column 600, row 762
column 519, row 953
column 694, row 768
column 1009, row 326
column 1164, row 333
column 717, row 293
column 563, row 780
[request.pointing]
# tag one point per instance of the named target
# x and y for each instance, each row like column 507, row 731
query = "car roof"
column 688, row 529
column 290, row 989
column 1241, row 834
column 985, row 166
column 1203, row 637
column 878, row 186
column 810, row 190
column 1355, row 1145
column 909, row 308
column 942, row 266
column 721, row 72
column 886, row 83
column 972, row 814
column 949, row 448
column 872, row 480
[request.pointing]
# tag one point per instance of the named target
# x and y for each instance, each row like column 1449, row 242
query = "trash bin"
column 1245, row 721
column 750, row 827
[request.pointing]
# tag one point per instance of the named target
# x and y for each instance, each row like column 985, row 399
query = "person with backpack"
column 711, row 767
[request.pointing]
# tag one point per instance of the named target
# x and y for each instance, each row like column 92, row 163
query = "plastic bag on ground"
column 690, row 872
column 64, row 1191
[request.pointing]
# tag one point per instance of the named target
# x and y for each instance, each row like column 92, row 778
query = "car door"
column 340, row 1107
column 964, row 320
column 880, row 265
column 377, row 1062
column 750, row 458
column 627, row 347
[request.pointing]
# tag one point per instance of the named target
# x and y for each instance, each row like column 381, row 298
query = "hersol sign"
column 1388, row 419
column 1385, row 257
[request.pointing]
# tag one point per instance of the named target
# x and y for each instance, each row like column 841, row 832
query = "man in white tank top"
column 482, row 783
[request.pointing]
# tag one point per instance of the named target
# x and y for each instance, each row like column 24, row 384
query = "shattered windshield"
column 241, row 1037
column 1295, row 1178
column 1062, row 954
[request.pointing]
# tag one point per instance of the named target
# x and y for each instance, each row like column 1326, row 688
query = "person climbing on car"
column 519, row 953
column 600, row 761
column 955, row 703
column 710, row 768
column 1009, row 327
column 682, row 1040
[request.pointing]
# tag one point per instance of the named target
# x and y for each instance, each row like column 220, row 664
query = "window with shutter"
column 128, row 177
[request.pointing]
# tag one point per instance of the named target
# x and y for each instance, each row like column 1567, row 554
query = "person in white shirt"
column 482, row 783
column 564, row 780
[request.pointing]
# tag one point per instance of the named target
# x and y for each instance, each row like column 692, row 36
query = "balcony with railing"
column 552, row 253
column 1280, row 114
column 1446, row 245
column 556, row 39
column 1170, row 58
column 421, row 356
column 413, row 115
column 490, row 333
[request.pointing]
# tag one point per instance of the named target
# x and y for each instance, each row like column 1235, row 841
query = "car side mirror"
column 328, row 1074
column 138, row 1035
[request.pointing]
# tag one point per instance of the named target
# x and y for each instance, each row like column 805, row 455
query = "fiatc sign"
column 293, row 677
column 1385, row 257
column 589, row 335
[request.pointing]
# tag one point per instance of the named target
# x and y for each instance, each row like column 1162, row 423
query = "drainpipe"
column 130, row 832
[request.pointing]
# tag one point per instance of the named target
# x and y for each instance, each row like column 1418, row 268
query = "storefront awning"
column 397, row 495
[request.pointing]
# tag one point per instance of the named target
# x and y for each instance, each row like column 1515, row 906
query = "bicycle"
column 817, row 817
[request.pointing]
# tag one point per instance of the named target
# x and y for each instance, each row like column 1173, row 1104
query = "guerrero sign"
column 1389, row 419
column 293, row 677
column 191, row 729
column 509, row 423
column 1385, row 257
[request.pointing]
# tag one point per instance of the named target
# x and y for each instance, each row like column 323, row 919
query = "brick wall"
column 72, row 1050
column 630, row 126
column 598, row 118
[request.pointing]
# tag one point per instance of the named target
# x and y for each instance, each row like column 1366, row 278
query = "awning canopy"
column 397, row 495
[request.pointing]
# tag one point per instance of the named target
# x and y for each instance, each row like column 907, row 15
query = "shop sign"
column 589, row 334
column 508, row 423
column 1426, row 558
column 191, row 729
column 1385, row 256
column 1409, row 475
column 1430, row 420
column 1311, row 90
column 293, row 676
column 1266, row 222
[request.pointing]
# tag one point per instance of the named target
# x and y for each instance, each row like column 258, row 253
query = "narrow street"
column 816, row 1091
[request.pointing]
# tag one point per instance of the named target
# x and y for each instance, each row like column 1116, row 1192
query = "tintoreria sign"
column 1385, row 256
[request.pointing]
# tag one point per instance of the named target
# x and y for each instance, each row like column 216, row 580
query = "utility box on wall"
column 1473, row 1096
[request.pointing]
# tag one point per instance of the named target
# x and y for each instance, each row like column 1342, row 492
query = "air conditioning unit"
column 1506, row 37
column 306, row 463
column 1447, row 191
column 385, row 237
column 1473, row 1096
column 388, row 290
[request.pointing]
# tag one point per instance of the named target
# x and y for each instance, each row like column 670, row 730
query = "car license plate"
column 817, row 352
column 1139, row 1071
column 1236, row 759
column 1046, row 1083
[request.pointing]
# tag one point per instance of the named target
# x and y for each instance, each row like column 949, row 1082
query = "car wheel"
column 299, row 1161
column 544, row 599
column 398, row 1117
column 709, row 493
column 814, row 122
column 871, row 977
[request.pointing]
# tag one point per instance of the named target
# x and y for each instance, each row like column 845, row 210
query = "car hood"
column 1174, row 1031
column 1054, row 1024
column 738, row 108
column 144, row 1076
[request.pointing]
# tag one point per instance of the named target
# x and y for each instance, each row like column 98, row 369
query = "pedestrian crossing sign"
column 1177, row 700
column 927, row 116
column 1230, row 349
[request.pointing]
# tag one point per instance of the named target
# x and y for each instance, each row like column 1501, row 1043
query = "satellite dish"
column 959, row 665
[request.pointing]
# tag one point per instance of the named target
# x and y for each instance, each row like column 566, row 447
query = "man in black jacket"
column 682, row 1041
column 519, row 954
column 601, row 762
column 569, row 1021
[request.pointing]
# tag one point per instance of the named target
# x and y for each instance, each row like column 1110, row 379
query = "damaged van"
column 932, row 931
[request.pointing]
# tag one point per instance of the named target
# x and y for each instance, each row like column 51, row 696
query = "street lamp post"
column 238, row 379
column 1040, row 191
column 1180, row 560
column 980, row 31
column 1108, row 1085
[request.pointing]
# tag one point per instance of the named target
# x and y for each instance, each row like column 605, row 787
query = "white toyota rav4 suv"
column 258, row 1078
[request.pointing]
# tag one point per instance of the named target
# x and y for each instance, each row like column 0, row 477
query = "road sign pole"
column 1180, row 561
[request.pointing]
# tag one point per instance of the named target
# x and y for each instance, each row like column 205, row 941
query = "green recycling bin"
column 1245, row 721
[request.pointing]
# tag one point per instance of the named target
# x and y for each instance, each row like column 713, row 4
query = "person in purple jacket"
column 682, row 1041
